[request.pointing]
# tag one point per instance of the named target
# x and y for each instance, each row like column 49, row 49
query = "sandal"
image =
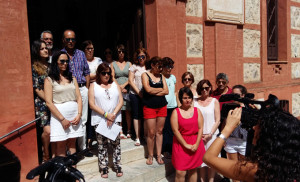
column 104, row 173
column 128, row 134
column 149, row 161
column 137, row 142
column 122, row 136
column 119, row 172
column 159, row 160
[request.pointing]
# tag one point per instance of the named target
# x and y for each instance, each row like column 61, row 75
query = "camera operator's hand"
column 232, row 121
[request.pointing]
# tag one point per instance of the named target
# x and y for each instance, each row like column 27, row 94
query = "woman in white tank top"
column 210, row 110
column 106, row 100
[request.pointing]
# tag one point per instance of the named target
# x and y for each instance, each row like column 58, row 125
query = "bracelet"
column 62, row 119
column 105, row 114
column 220, row 135
column 114, row 113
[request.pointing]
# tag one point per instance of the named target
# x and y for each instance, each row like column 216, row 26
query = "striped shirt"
column 78, row 65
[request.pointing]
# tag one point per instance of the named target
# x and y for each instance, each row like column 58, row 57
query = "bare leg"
column 211, row 174
column 180, row 176
column 203, row 174
column 71, row 145
column 160, row 122
column 61, row 148
column 128, row 120
column 151, row 125
column 46, row 142
column 53, row 148
column 192, row 175
column 137, row 125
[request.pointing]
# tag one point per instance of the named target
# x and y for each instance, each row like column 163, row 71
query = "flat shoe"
column 149, row 161
column 159, row 160
column 119, row 172
column 122, row 136
column 104, row 173
column 137, row 142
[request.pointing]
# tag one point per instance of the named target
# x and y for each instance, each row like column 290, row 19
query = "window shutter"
column 272, row 24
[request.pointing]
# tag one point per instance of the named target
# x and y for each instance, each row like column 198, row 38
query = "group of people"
column 79, row 96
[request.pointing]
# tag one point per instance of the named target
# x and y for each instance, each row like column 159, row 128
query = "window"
column 272, row 28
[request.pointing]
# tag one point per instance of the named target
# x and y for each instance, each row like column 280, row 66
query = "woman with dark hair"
column 136, row 95
column 210, row 109
column 275, row 155
column 64, row 101
column 106, row 100
column 40, row 67
column 188, row 148
column 187, row 79
column 88, row 48
column 108, row 56
column 120, row 75
column 168, row 65
column 155, row 106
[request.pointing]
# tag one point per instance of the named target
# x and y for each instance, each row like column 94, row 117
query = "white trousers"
column 85, row 101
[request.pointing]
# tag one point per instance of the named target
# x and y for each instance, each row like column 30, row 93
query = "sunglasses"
column 104, row 73
column 70, row 39
column 89, row 49
column 223, row 82
column 48, row 39
column 121, row 51
column 187, row 79
column 141, row 57
column 205, row 88
column 107, row 52
column 63, row 61
column 169, row 66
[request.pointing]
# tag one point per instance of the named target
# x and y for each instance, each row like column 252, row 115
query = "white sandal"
column 137, row 142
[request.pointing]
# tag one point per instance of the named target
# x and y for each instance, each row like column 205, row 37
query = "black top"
column 154, row 101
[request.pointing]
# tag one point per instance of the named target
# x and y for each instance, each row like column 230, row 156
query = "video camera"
column 250, row 116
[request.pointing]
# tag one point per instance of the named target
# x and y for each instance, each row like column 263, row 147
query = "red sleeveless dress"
column 182, row 158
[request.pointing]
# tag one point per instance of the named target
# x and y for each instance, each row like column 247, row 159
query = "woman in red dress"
column 188, row 148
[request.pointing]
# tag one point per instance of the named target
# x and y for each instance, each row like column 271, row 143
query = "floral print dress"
column 41, row 110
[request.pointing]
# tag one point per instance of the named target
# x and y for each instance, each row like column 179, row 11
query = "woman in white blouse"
column 106, row 100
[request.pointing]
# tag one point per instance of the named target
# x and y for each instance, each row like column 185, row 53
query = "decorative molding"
column 229, row 11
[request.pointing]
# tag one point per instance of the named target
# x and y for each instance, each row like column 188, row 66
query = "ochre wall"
column 16, row 104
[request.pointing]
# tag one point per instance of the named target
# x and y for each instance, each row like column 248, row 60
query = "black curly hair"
column 54, row 69
column 276, row 152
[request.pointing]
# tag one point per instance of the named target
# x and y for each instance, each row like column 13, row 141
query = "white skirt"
column 57, row 133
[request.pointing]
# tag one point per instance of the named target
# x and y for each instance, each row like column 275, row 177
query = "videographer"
column 275, row 155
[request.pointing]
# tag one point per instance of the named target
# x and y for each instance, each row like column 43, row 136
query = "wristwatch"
column 220, row 135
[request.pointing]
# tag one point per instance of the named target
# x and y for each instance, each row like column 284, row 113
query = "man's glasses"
column 107, row 52
column 169, row 66
column 221, row 82
column 187, row 79
column 205, row 88
column 105, row 73
column 141, row 57
column 107, row 94
column 48, row 39
column 89, row 49
column 70, row 39
column 63, row 61
column 121, row 51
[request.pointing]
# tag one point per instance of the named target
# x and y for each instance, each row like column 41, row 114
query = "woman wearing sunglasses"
column 136, row 95
column 187, row 79
column 63, row 99
column 210, row 109
column 106, row 100
column 120, row 75
column 155, row 106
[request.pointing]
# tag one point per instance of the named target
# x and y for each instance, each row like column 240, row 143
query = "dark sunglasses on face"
column 70, row 39
column 223, row 82
column 63, row 61
column 107, row 52
column 205, row 88
column 187, row 79
column 104, row 73
column 48, row 39
column 169, row 66
column 141, row 57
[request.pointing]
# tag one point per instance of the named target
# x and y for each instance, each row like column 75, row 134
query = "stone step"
column 129, row 152
column 136, row 171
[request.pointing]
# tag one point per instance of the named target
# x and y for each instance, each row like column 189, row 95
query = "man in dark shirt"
column 80, row 70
